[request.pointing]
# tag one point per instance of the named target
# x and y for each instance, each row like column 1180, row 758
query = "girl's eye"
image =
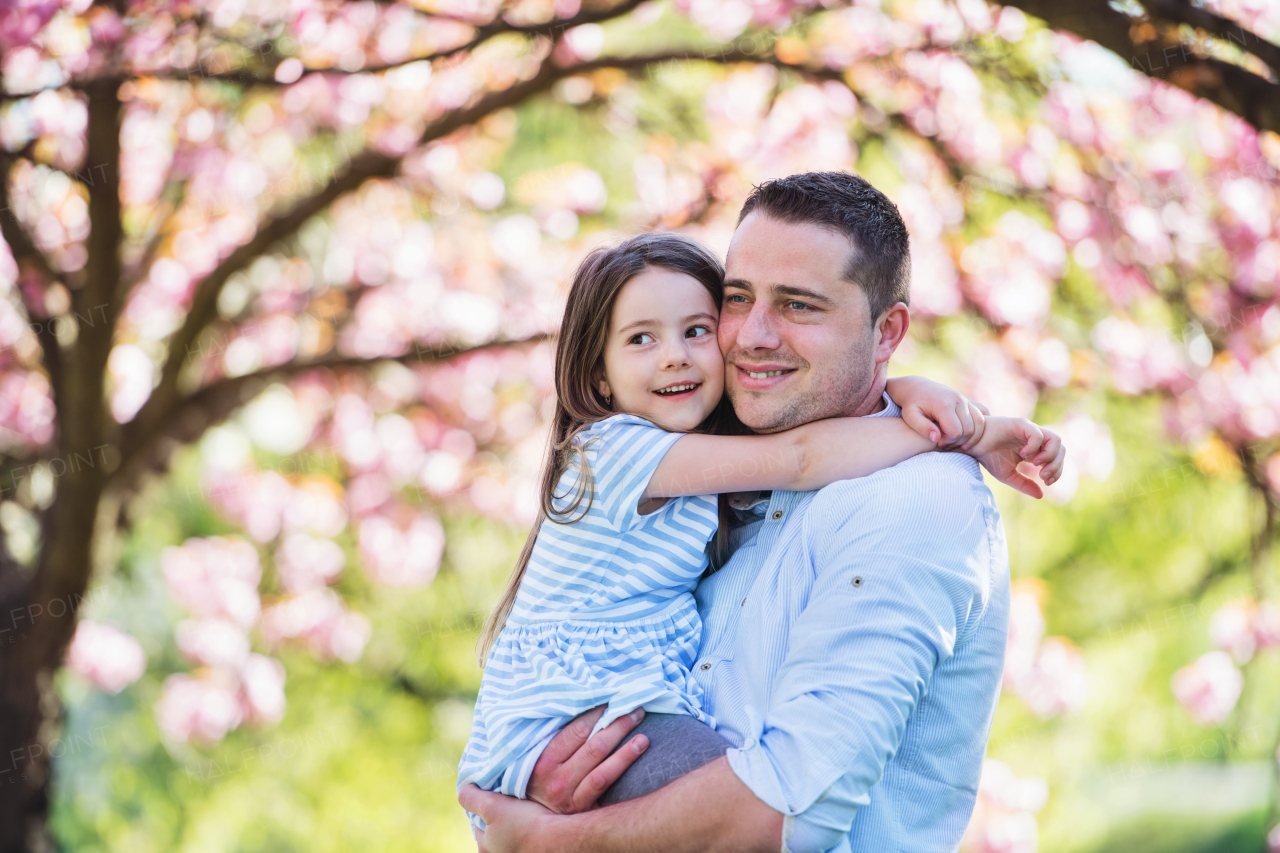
column 697, row 332
column 636, row 339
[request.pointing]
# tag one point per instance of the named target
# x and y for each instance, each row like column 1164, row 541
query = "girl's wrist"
column 971, row 447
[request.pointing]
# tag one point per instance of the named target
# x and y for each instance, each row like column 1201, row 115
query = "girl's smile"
column 661, row 360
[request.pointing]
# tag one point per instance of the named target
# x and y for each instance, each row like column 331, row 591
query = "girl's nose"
column 676, row 356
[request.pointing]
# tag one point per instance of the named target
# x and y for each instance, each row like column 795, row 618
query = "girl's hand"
column 947, row 418
column 1003, row 443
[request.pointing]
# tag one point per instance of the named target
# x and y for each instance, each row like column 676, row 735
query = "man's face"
column 798, row 339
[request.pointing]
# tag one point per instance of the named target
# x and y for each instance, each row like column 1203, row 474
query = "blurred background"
column 277, row 286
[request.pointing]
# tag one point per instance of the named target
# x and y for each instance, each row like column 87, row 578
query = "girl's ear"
column 602, row 384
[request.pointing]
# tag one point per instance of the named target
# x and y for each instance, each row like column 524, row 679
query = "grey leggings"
column 677, row 745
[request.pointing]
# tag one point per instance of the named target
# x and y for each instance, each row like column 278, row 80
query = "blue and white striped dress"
column 605, row 611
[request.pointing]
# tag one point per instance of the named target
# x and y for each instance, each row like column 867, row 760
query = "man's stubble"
column 839, row 394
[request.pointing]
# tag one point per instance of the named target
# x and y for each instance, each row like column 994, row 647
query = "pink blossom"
column 215, row 577
column 1048, row 673
column 262, row 689
column 307, row 563
column 255, row 500
column 107, row 657
column 1011, row 273
column 213, row 642
column 203, row 707
column 402, row 451
column 997, row 383
column 26, row 410
column 1209, row 687
column 1058, row 682
column 352, row 430
column 131, row 373
column 316, row 506
column 318, row 617
column 1026, row 630
column 1141, row 358
column 1266, row 625
column 1090, row 452
column 367, row 492
column 400, row 557
column 1231, row 629
column 1004, row 814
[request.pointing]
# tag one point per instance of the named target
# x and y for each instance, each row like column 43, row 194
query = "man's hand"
column 573, row 771
column 1002, row 443
column 514, row 826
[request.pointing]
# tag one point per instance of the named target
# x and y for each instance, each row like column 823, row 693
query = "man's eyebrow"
column 782, row 290
column 812, row 296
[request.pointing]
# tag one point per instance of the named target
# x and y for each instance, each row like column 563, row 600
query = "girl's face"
column 661, row 360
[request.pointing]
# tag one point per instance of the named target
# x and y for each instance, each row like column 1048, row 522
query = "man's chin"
column 761, row 414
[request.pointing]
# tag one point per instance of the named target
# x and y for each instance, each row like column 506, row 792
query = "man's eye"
column 735, row 298
column 697, row 332
column 797, row 306
column 638, row 339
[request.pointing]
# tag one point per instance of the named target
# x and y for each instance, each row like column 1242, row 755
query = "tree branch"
column 25, row 252
column 190, row 417
column 81, row 411
column 484, row 33
column 1165, row 57
column 1232, row 32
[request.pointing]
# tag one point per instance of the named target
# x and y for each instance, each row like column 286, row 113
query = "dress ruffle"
column 542, row 674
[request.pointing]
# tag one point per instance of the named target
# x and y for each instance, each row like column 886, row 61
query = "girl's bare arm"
column 808, row 457
column 820, row 453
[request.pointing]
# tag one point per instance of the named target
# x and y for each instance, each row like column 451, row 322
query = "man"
column 854, row 642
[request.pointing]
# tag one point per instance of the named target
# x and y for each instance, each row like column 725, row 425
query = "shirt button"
column 705, row 666
column 777, row 514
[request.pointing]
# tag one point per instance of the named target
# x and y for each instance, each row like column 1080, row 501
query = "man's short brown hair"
column 880, row 260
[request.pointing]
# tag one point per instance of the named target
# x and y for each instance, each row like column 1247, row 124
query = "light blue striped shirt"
column 853, row 648
column 605, row 611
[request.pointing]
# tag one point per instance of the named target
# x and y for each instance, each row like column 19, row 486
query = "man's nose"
column 758, row 330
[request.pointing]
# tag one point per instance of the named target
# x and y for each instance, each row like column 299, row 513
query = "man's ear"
column 891, row 328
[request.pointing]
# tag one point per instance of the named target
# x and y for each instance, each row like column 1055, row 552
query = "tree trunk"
column 37, row 620
column 24, row 758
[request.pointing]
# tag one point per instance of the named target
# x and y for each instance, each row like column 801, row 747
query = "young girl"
column 599, row 609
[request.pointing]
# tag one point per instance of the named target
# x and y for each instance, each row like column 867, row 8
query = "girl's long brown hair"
column 579, row 363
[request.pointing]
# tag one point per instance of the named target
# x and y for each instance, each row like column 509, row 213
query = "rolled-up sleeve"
column 895, row 582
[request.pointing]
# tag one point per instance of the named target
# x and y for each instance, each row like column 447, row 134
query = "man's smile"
column 758, row 377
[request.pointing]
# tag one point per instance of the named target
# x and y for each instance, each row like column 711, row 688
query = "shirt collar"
column 890, row 409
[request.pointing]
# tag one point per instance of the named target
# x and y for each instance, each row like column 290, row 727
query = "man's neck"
column 874, row 400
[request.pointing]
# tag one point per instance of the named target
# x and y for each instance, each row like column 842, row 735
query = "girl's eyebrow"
column 639, row 323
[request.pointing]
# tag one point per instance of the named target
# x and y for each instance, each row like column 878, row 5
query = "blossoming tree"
column 295, row 211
